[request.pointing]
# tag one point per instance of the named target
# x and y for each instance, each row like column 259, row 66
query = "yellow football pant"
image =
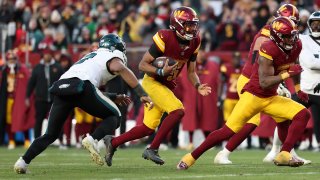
column 249, row 105
column 228, row 106
column 164, row 101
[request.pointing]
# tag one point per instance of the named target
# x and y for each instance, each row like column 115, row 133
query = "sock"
column 240, row 136
column 276, row 143
column 190, row 137
column 168, row 123
column 214, row 138
column 299, row 123
column 283, row 130
column 137, row 132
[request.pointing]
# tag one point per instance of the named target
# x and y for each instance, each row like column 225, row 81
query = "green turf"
column 128, row 164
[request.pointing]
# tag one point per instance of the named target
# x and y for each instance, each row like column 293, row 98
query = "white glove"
column 283, row 91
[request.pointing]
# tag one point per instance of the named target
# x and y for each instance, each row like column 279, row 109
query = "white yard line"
column 220, row 175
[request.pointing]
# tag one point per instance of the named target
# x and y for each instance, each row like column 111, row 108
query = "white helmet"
column 315, row 16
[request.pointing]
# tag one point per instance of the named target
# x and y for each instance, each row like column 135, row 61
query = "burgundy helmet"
column 284, row 32
column 290, row 11
column 185, row 22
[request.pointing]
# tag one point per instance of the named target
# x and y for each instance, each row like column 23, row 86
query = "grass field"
column 128, row 164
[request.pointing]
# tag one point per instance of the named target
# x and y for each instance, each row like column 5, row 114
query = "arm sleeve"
column 153, row 50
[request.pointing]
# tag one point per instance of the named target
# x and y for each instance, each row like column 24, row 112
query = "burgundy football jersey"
column 281, row 62
column 167, row 42
column 247, row 69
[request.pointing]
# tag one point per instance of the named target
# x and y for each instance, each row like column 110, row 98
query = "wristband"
column 285, row 75
column 297, row 87
column 197, row 85
column 159, row 72
column 140, row 91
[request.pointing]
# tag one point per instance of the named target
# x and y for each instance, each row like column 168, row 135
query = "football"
column 160, row 61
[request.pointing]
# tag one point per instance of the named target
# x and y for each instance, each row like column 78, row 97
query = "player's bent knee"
column 303, row 114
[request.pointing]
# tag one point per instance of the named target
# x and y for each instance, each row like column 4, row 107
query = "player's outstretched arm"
column 117, row 67
column 203, row 89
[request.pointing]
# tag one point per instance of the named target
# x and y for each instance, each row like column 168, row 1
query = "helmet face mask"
column 112, row 42
column 184, row 21
column 314, row 24
column 284, row 32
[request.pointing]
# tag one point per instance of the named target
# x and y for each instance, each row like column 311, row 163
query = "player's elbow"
column 263, row 83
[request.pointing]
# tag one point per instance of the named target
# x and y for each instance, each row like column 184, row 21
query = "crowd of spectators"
column 33, row 25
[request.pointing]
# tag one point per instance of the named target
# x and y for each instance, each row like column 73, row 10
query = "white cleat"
column 91, row 145
column 295, row 155
column 222, row 158
column 20, row 167
column 270, row 157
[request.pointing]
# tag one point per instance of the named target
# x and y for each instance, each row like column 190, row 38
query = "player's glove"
column 292, row 71
column 283, row 91
column 316, row 89
column 303, row 96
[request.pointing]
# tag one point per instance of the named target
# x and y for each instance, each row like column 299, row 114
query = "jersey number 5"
column 86, row 57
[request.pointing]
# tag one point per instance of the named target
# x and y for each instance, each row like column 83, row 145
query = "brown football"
column 160, row 61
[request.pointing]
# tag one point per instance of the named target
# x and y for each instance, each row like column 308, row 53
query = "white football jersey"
column 310, row 62
column 93, row 67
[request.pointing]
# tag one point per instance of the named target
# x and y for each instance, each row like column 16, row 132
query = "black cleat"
column 153, row 155
column 109, row 149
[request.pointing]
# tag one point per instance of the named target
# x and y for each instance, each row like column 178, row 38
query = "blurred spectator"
column 35, row 34
column 302, row 25
column 43, row 75
column 6, row 12
column 69, row 19
column 44, row 17
column 201, row 112
column 59, row 31
column 246, row 34
column 131, row 25
column 14, row 114
column 263, row 16
column 207, row 32
column 228, row 35
column 105, row 27
column 22, row 12
column 163, row 16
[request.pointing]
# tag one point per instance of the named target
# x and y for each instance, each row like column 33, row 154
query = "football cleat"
column 109, row 149
column 153, row 155
column 284, row 158
column 91, row 145
column 20, row 167
column 295, row 155
column 186, row 161
column 221, row 158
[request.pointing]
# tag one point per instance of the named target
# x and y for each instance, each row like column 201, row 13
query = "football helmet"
column 112, row 42
column 290, row 11
column 185, row 22
column 284, row 32
column 314, row 28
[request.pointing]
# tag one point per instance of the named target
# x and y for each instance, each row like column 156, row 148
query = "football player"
column 278, row 58
column 231, row 73
column 286, row 10
column 78, row 87
column 181, row 43
column 309, row 60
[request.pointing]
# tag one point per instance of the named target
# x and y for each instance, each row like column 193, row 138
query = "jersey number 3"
column 86, row 57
